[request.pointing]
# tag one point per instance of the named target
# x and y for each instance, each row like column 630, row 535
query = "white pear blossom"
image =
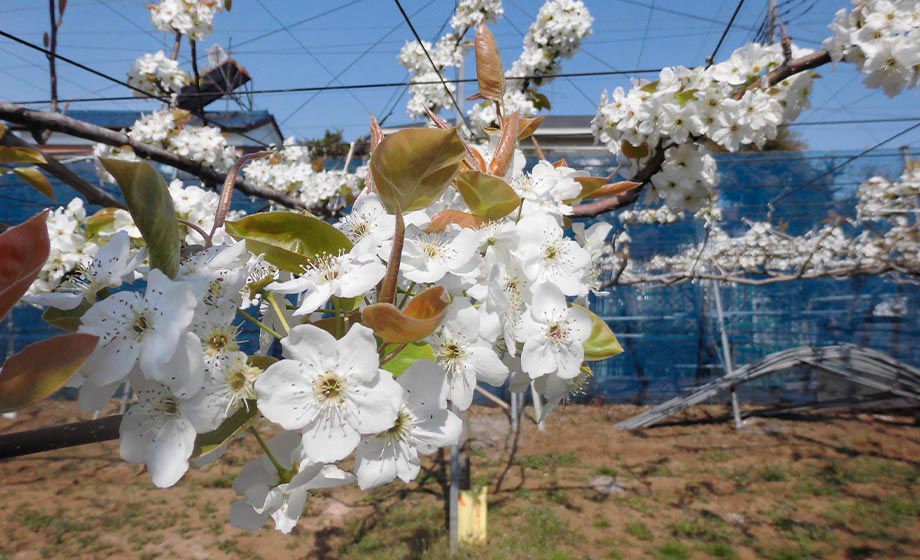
column 138, row 329
column 464, row 354
column 548, row 256
column 281, row 496
column 422, row 426
column 332, row 390
column 553, row 335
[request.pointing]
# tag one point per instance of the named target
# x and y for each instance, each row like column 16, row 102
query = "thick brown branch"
column 58, row 437
column 59, row 123
column 93, row 194
column 616, row 202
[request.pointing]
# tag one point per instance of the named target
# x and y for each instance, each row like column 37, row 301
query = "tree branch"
column 58, row 437
column 93, row 194
column 591, row 209
column 59, row 123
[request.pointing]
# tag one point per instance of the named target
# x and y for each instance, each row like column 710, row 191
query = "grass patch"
column 639, row 530
column 548, row 460
column 672, row 550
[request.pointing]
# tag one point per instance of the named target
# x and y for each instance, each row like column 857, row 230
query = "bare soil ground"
column 839, row 486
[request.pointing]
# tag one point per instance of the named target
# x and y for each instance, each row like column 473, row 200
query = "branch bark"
column 59, row 123
column 93, row 194
column 58, row 437
column 592, row 209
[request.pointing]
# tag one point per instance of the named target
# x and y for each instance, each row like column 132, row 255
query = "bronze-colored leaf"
column 634, row 152
column 413, row 167
column 504, row 152
column 527, row 127
column 419, row 319
column 463, row 219
column 37, row 180
column 489, row 71
column 17, row 154
column 487, row 195
column 318, row 164
column 42, row 368
column 23, row 251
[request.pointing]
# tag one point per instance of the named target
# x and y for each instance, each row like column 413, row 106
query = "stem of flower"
column 393, row 354
column 261, row 325
column 283, row 473
column 270, row 296
column 406, row 295
column 339, row 325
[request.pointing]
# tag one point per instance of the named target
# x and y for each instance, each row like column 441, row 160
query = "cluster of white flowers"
column 556, row 34
column 721, row 102
column 157, row 74
column 891, row 243
column 509, row 283
column 878, row 198
column 291, row 171
column 192, row 18
column 170, row 129
column 69, row 249
column 882, row 38
column 447, row 53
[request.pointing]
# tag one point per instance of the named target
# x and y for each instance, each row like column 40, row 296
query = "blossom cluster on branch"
column 883, row 237
column 192, row 18
column 723, row 103
column 447, row 53
column 556, row 34
column 157, row 75
column 880, row 37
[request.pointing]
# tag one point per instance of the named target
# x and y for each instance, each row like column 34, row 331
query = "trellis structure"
column 887, row 378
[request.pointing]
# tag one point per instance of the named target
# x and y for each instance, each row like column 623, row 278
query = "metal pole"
column 726, row 351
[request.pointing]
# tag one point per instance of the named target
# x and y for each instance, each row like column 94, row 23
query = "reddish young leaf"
column 42, row 368
column 504, row 152
column 23, row 251
column 489, row 72
column 420, row 318
column 446, row 217
column 526, row 127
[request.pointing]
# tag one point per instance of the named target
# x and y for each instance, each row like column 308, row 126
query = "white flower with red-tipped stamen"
column 553, row 335
column 422, row 426
column 345, row 276
column 548, row 256
column 138, row 329
column 332, row 390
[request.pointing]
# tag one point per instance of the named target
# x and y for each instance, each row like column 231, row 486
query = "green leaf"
column 289, row 241
column 408, row 356
column 650, row 87
column 602, row 343
column 20, row 155
column 540, row 101
column 489, row 72
column 412, row 168
column 420, row 318
column 487, row 195
column 66, row 319
column 37, row 179
column 23, row 252
column 99, row 221
column 686, row 95
column 234, row 425
column 42, row 368
column 149, row 203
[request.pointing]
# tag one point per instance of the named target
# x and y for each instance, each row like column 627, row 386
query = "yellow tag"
column 471, row 517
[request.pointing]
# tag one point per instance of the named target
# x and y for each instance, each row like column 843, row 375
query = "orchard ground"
column 816, row 486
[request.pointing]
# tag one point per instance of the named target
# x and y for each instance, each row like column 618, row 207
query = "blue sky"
column 628, row 34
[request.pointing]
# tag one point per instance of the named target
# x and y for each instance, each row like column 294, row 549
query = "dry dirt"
column 840, row 486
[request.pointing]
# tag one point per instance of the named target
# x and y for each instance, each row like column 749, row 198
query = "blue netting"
column 671, row 335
